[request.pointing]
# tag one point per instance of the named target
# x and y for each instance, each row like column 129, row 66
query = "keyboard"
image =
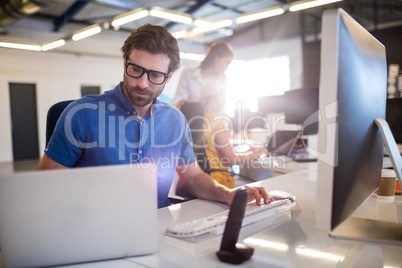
column 215, row 223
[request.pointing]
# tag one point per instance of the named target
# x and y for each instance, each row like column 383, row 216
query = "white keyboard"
column 216, row 223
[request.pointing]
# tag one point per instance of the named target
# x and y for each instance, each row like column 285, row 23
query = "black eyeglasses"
column 136, row 71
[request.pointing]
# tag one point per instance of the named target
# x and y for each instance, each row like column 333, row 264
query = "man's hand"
column 254, row 193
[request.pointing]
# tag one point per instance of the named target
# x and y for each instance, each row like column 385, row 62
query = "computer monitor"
column 353, row 91
column 301, row 106
column 270, row 104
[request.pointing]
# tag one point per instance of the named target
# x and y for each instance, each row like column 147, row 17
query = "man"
column 129, row 125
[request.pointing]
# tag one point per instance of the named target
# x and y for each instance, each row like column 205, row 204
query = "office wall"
column 57, row 77
column 60, row 76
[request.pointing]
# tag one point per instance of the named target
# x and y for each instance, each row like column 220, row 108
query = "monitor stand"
column 392, row 148
column 371, row 230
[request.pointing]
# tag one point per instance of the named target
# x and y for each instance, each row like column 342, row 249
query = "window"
column 90, row 90
column 249, row 80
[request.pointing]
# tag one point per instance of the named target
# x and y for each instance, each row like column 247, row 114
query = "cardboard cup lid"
column 388, row 173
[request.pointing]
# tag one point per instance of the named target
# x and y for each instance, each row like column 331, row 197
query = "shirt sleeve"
column 212, row 86
column 189, row 85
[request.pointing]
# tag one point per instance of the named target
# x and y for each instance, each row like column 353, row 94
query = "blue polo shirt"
column 104, row 129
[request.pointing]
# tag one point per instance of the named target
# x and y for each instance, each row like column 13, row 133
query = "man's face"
column 140, row 92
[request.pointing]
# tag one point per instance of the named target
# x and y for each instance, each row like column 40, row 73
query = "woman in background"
column 219, row 151
column 217, row 59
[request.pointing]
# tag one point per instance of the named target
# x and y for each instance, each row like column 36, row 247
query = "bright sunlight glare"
column 249, row 80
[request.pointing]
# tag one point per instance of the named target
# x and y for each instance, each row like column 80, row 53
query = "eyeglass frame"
column 146, row 71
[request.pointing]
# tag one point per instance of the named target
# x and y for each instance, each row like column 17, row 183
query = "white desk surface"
column 293, row 243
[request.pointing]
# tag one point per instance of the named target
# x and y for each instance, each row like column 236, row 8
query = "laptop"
column 280, row 147
column 283, row 142
column 78, row 215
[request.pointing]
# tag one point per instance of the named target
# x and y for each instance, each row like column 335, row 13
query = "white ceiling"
column 39, row 27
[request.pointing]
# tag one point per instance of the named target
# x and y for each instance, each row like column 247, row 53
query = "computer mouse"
column 279, row 194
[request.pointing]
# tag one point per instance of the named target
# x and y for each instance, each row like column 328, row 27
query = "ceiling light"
column 179, row 34
column 213, row 26
column 29, row 7
column 296, row 6
column 202, row 22
column 20, row 46
column 88, row 31
column 53, row 44
column 260, row 15
column 170, row 15
column 129, row 17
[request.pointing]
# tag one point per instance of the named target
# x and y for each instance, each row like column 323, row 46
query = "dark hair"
column 156, row 40
column 214, row 51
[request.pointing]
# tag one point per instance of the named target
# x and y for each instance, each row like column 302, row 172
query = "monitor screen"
column 270, row 104
column 353, row 81
column 301, row 108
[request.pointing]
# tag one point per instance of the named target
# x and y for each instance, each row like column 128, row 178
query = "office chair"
column 52, row 116
column 194, row 113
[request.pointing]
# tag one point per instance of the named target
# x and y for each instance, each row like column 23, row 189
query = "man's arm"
column 204, row 186
column 47, row 163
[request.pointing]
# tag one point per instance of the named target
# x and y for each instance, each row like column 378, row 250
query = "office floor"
column 19, row 165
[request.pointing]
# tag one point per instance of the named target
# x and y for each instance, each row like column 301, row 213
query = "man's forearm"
column 204, row 186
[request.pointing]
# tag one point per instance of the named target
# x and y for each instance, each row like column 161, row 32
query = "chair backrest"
column 194, row 113
column 52, row 116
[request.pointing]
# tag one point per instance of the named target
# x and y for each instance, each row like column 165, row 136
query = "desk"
column 294, row 243
column 258, row 170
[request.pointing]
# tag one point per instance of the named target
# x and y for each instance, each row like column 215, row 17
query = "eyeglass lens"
column 153, row 76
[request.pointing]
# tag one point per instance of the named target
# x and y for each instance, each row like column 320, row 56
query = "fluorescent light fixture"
column 191, row 56
column 129, row 17
column 213, row 26
column 88, row 31
column 202, row 22
column 29, row 8
column 300, row 5
column 260, row 15
column 20, row 46
column 53, row 44
column 179, row 34
column 170, row 15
